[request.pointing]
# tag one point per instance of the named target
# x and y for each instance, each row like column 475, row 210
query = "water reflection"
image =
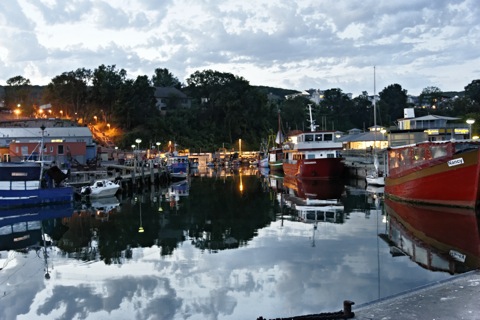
column 436, row 238
column 211, row 248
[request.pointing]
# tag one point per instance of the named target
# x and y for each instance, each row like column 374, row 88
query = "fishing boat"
column 32, row 183
column 100, row 189
column 314, row 154
column 443, row 173
column 177, row 166
column 437, row 238
column 376, row 176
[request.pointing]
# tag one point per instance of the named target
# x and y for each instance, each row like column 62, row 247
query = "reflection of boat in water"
column 21, row 227
column 177, row 190
column 327, row 213
column 437, row 238
column 314, row 200
column 312, row 192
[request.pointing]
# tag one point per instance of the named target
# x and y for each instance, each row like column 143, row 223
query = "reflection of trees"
column 215, row 216
column 230, row 218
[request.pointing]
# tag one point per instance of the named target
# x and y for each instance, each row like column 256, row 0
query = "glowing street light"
column 240, row 146
column 470, row 122
column 108, row 125
column 95, row 117
column 138, row 141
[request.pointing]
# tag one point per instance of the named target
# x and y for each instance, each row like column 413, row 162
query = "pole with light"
column 138, row 141
column 470, row 122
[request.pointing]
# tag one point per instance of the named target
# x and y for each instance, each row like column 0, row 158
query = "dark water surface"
column 230, row 246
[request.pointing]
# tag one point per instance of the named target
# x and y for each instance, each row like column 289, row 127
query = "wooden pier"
column 128, row 176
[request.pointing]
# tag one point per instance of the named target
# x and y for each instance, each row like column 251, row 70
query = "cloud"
column 298, row 45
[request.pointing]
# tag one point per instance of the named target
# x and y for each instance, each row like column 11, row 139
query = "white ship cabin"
column 313, row 145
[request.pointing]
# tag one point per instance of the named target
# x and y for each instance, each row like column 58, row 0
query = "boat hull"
column 450, row 181
column 35, row 197
column 326, row 168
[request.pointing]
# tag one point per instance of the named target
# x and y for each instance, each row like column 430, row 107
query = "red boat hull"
column 440, row 228
column 438, row 181
column 326, row 168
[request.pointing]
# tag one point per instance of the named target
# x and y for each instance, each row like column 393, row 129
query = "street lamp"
column 138, row 141
column 470, row 122
column 108, row 125
column 240, row 146
column 95, row 117
column 133, row 147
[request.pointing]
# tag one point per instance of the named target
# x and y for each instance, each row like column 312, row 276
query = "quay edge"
column 453, row 298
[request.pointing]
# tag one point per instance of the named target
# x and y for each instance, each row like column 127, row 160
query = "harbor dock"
column 455, row 298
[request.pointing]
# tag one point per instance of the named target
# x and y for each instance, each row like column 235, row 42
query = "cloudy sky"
column 298, row 45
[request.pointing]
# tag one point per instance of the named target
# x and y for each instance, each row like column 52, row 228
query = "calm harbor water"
column 228, row 245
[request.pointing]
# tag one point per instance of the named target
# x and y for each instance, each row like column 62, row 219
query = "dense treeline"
column 224, row 108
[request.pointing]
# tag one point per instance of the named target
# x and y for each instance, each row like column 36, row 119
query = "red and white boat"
column 313, row 155
column 439, row 173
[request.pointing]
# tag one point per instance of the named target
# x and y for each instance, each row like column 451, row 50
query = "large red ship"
column 440, row 173
column 313, row 155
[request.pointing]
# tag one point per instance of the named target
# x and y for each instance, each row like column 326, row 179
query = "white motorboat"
column 100, row 189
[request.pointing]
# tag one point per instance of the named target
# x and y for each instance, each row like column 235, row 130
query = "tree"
column 69, row 91
column 164, row 78
column 226, row 103
column 430, row 96
column 336, row 109
column 107, row 81
column 472, row 90
column 393, row 101
column 17, row 93
column 135, row 105
column 362, row 115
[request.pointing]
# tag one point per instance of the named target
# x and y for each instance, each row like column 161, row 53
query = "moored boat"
column 100, row 189
column 439, row 173
column 177, row 166
column 28, row 184
column 314, row 154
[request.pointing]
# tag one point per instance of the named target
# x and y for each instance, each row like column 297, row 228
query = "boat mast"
column 41, row 153
column 374, row 107
column 312, row 122
column 279, row 138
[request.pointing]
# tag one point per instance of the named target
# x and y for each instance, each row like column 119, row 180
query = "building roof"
column 364, row 136
column 51, row 132
column 430, row 117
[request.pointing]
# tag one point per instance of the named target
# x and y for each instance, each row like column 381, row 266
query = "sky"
column 300, row 45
